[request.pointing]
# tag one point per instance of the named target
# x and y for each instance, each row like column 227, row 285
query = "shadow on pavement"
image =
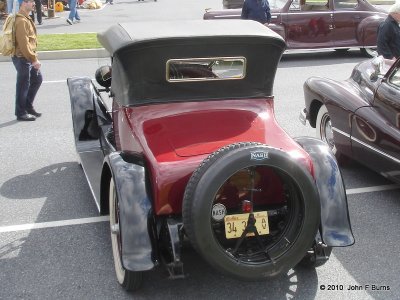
column 75, row 262
column 9, row 123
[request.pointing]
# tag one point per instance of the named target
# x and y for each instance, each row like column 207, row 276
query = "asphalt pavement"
column 41, row 184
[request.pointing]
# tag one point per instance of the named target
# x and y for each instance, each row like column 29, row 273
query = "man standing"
column 388, row 41
column 25, row 60
column 73, row 13
column 257, row 10
column 38, row 5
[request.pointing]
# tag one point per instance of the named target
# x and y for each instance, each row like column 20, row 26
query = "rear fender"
column 136, row 219
column 279, row 29
column 367, row 30
column 335, row 222
column 91, row 122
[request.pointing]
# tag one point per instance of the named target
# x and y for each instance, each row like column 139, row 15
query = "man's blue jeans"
column 73, row 10
column 29, row 81
column 10, row 6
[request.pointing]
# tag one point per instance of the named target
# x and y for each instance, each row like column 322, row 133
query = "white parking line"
column 373, row 189
column 58, row 81
column 21, row 227
column 55, row 81
column 14, row 228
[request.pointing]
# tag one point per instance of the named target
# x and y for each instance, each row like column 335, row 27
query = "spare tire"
column 274, row 188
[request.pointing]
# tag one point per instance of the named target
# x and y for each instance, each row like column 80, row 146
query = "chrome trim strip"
column 89, row 151
column 224, row 16
column 366, row 145
column 341, row 132
column 376, row 150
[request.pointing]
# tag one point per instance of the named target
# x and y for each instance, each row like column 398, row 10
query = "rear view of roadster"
column 189, row 150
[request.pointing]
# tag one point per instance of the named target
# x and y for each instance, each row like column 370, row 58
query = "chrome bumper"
column 303, row 116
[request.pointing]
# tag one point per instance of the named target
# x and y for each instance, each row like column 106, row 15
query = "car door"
column 346, row 18
column 309, row 24
column 376, row 129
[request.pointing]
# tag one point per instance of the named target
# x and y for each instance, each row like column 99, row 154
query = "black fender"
column 86, row 130
column 91, row 123
column 135, row 206
column 335, row 221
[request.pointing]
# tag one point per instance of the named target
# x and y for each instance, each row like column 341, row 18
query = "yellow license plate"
column 236, row 224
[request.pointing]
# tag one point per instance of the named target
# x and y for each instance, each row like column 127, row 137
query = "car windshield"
column 277, row 4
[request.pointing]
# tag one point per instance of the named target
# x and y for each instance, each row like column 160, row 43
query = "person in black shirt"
column 388, row 41
column 257, row 10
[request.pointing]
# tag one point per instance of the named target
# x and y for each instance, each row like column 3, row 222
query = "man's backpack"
column 7, row 36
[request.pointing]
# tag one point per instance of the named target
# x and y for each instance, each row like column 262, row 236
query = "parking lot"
column 54, row 245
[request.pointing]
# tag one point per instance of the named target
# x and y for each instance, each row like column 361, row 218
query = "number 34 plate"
column 236, row 224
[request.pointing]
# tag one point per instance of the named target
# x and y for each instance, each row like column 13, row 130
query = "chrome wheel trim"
column 326, row 131
column 115, row 233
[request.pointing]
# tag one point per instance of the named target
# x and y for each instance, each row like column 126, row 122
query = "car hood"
column 363, row 77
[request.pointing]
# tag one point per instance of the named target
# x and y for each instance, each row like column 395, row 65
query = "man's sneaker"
column 26, row 117
column 77, row 21
column 69, row 21
column 33, row 112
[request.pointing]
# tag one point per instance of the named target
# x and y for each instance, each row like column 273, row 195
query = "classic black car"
column 320, row 24
column 359, row 117
column 190, row 151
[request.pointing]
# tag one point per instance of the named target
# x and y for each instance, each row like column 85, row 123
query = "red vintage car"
column 359, row 117
column 319, row 24
column 190, row 150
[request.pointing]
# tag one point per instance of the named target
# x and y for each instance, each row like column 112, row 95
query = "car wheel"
column 369, row 52
column 251, row 177
column 129, row 280
column 324, row 128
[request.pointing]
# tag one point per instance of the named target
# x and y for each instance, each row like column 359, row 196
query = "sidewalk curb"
column 67, row 54
column 382, row 2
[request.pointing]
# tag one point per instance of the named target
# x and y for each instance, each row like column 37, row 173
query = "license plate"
column 236, row 224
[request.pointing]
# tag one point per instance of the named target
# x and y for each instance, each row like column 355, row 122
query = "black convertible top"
column 140, row 52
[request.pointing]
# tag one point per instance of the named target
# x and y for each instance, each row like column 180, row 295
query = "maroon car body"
column 305, row 24
column 191, row 150
column 360, row 117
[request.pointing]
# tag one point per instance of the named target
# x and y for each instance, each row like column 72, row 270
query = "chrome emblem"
column 258, row 155
column 218, row 212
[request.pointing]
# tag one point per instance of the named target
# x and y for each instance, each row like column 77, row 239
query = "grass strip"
column 67, row 41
